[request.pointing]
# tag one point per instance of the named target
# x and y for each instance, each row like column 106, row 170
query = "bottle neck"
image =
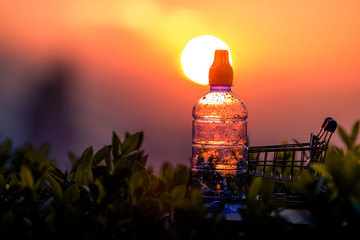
column 220, row 87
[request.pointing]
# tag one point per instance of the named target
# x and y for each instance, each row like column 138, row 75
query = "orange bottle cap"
column 221, row 72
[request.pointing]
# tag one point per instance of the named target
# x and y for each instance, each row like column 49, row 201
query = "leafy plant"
column 350, row 139
column 330, row 193
column 108, row 194
column 111, row 194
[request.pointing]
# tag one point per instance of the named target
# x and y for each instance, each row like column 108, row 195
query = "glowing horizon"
column 294, row 64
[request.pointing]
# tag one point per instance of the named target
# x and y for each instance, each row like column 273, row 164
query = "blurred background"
column 73, row 71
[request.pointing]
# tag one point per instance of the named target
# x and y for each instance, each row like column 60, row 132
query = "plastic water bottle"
column 219, row 136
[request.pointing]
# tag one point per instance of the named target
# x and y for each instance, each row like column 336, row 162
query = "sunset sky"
column 294, row 62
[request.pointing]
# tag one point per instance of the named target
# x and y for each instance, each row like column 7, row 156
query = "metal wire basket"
column 287, row 161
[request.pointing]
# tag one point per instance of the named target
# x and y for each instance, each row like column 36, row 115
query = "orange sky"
column 295, row 63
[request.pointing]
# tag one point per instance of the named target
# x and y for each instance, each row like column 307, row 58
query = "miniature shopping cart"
column 286, row 162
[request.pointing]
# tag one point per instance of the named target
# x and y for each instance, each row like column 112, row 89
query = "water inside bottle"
column 219, row 143
column 220, row 170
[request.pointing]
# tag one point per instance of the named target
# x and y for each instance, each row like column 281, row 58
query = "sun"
column 198, row 55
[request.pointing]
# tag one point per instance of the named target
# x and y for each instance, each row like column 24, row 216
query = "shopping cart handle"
column 326, row 121
column 331, row 126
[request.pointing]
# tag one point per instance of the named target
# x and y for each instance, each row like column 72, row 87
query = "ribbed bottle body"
column 219, row 137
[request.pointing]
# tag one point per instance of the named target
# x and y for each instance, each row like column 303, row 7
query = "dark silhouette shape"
column 50, row 113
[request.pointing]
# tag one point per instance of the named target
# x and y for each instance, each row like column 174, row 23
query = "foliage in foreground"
column 107, row 194
column 328, row 195
column 110, row 194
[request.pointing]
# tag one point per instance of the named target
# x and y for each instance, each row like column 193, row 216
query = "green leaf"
column 58, row 175
column 345, row 172
column 196, row 198
column 154, row 183
column 181, row 175
column 101, row 155
column 254, row 189
column 5, row 151
column 321, row 169
column 116, row 143
column 55, row 187
column 349, row 139
column 6, row 146
column 132, row 142
column 87, row 155
column 177, row 195
column 267, row 189
column 101, row 190
column 135, row 181
column 26, row 176
column 7, row 217
column 138, row 167
column 84, row 175
column 109, row 163
column 142, row 158
column 72, row 157
column 2, row 183
column 13, row 180
column 167, row 173
column 136, row 187
column 137, row 195
column 126, row 161
column 165, row 201
column 354, row 132
column 72, row 194
column 344, row 137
